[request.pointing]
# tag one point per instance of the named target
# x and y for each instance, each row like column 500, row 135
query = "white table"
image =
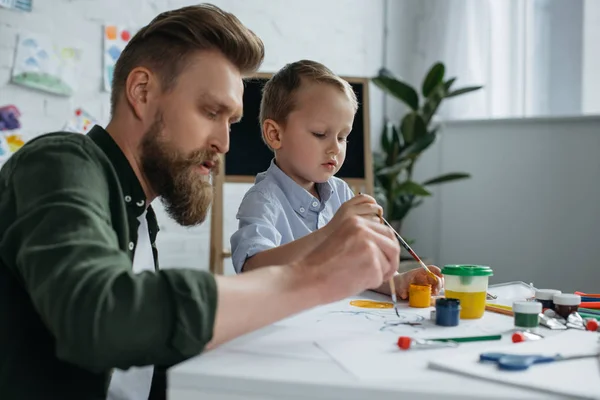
column 237, row 371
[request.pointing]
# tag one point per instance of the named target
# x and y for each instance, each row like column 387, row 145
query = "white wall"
column 531, row 209
column 591, row 57
column 346, row 35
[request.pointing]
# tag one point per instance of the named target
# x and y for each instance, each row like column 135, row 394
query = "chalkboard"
column 248, row 155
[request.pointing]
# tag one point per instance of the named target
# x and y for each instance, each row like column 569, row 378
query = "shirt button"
column 127, row 199
column 131, row 245
column 315, row 204
column 140, row 203
column 302, row 209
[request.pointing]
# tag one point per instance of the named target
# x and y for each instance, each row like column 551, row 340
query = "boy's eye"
column 343, row 139
column 211, row 114
column 319, row 135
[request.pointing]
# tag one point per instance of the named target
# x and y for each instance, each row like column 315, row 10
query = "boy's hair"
column 278, row 99
column 165, row 44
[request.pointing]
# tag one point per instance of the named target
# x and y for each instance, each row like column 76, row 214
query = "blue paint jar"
column 447, row 312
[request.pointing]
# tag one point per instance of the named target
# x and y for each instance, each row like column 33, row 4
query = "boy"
column 306, row 114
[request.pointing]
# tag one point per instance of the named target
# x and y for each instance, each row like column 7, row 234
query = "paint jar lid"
column 450, row 303
column 567, row 299
column 527, row 307
column 419, row 288
column 546, row 294
column 467, row 270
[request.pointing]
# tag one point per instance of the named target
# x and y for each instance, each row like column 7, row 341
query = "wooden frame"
column 218, row 251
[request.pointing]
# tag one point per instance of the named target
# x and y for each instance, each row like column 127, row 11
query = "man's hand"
column 360, row 255
column 361, row 205
column 417, row 276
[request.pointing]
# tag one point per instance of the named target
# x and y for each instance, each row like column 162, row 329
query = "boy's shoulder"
column 341, row 188
column 264, row 188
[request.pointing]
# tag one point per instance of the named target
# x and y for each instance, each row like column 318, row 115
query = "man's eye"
column 212, row 115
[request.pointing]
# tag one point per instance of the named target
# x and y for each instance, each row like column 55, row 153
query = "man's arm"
column 103, row 316
column 67, row 255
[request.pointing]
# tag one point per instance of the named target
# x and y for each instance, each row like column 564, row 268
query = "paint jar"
column 527, row 314
column 566, row 303
column 447, row 312
column 546, row 297
column 419, row 296
column 469, row 284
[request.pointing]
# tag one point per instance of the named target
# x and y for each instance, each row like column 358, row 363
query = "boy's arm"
column 286, row 253
column 257, row 243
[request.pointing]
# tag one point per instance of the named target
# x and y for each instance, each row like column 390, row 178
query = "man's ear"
column 272, row 134
column 141, row 85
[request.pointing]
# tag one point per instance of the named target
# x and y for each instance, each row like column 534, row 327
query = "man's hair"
column 278, row 99
column 165, row 44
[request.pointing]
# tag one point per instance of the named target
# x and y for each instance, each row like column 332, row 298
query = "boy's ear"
column 272, row 134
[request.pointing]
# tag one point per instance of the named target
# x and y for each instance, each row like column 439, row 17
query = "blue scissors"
column 521, row 362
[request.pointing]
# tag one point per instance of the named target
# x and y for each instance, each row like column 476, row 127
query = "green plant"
column 401, row 146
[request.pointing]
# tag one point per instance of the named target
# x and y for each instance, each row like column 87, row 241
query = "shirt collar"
column 300, row 199
column 133, row 194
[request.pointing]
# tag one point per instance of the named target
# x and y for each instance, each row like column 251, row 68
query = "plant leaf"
column 400, row 210
column 433, row 102
column 434, row 77
column 419, row 145
column 451, row 176
column 385, row 140
column 412, row 127
column 413, row 188
column 448, row 84
column 464, row 90
column 393, row 169
column 398, row 89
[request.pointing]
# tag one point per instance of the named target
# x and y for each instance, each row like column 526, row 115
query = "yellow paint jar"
column 469, row 284
column 419, row 296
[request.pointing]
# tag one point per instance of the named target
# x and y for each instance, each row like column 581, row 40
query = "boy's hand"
column 420, row 277
column 362, row 206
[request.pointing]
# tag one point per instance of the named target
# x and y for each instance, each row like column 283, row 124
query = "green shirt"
column 71, row 308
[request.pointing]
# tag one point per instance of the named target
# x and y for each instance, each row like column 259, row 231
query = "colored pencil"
column 498, row 310
column 469, row 339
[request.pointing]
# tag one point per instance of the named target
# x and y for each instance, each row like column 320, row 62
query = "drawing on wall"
column 21, row 5
column 116, row 38
column 9, row 118
column 4, row 150
column 80, row 122
column 43, row 65
column 15, row 142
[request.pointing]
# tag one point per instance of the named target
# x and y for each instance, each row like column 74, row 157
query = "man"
column 77, row 234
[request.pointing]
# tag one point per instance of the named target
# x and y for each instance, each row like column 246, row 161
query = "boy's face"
column 312, row 145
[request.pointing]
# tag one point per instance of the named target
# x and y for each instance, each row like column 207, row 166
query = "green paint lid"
column 467, row 270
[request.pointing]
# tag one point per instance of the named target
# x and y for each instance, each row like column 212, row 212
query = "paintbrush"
column 411, row 251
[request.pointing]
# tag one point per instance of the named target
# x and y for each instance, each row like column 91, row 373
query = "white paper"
column 415, row 322
column 115, row 39
column 377, row 357
column 576, row 378
column 44, row 65
column 289, row 343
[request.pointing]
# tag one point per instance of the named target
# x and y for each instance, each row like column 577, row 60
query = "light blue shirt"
column 276, row 211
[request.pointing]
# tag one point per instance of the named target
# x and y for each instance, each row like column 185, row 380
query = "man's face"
column 180, row 149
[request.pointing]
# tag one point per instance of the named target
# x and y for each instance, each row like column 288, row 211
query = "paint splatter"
column 371, row 304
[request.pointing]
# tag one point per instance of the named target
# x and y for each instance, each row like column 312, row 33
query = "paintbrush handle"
column 408, row 248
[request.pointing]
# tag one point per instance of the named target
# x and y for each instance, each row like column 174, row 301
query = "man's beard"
column 185, row 193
